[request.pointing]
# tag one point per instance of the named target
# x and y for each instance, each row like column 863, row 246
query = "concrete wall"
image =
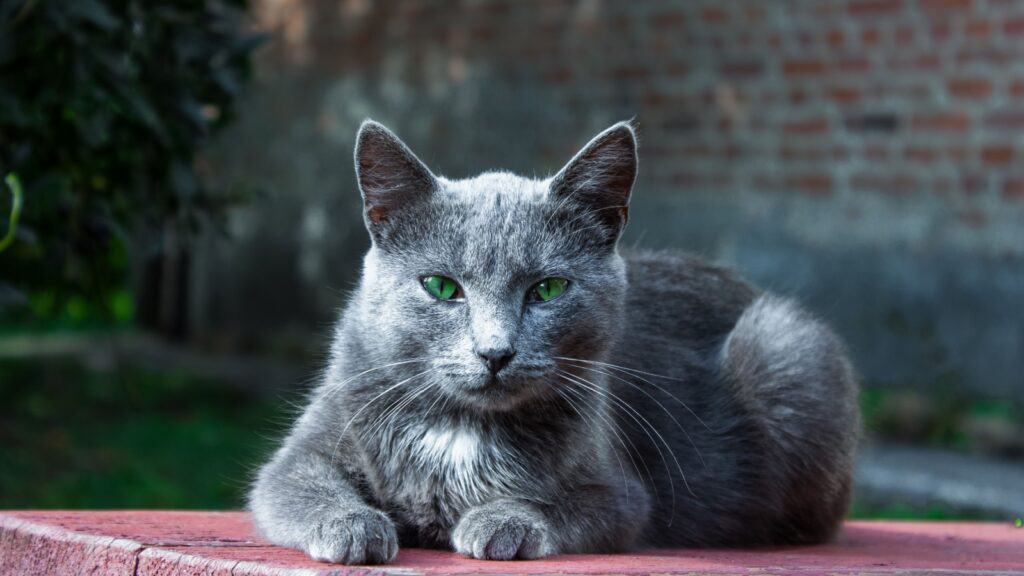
column 862, row 155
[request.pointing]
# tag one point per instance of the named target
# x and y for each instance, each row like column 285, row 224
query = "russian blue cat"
column 505, row 383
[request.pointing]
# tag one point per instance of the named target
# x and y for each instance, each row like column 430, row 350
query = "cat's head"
column 491, row 282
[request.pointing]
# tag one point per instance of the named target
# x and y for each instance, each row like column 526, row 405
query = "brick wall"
column 863, row 155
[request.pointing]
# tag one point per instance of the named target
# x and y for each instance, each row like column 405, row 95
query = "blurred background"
column 182, row 223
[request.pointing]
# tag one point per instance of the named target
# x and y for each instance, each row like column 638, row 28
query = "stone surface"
column 167, row 543
column 922, row 477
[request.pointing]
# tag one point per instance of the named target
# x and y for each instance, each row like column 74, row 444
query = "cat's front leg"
column 361, row 536
column 504, row 530
column 593, row 518
column 304, row 499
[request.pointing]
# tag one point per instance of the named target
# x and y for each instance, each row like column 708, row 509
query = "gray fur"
column 660, row 401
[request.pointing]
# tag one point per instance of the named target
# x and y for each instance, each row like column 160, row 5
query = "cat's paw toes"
column 503, row 532
column 360, row 537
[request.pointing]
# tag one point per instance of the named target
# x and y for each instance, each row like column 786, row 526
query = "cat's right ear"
column 600, row 178
column 390, row 176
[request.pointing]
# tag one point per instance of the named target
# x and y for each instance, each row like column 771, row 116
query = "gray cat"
column 506, row 384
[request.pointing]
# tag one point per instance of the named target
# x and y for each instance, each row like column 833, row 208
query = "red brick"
column 803, row 67
column 813, row 125
column 973, row 183
column 753, row 13
column 805, row 38
column 835, row 38
column 799, row 95
column 817, row 185
column 945, row 5
column 870, row 36
column 973, row 218
column 483, row 33
column 667, row 20
column 732, row 152
column 874, row 7
column 677, row 68
column 977, row 29
column 920, row 154
column 926, row 62
column 715, row 15
column 559, row 75
column 905, row 35
column 843, row 94
column 39, row 548
column 997, row 154
column 1014, row 26
column 742, row 68
column 630, row 73
column 941, row 31
column 941, row 122
column 969, row 87
column 1017, row 89
column 1013, row 189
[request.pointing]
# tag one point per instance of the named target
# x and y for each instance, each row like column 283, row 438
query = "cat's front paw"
column 365, row 536
column 503, row 530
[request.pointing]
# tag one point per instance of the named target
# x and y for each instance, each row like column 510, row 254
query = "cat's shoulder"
column 675, row 270
column 677, row 287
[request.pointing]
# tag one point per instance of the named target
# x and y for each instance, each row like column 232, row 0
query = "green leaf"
column 14, row 185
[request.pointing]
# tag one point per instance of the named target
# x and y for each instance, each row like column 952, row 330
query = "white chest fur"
column 434, row 473
column 453, row 448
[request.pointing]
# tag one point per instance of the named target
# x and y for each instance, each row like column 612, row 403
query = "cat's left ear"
column 600, row 177
column 390, row 176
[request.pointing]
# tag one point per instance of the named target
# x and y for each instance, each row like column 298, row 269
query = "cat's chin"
column 495, row 394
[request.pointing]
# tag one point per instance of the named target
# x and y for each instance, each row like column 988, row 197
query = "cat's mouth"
column 488, row 385
column 495, row 392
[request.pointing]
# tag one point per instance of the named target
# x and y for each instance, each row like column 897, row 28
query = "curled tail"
column 792, row 374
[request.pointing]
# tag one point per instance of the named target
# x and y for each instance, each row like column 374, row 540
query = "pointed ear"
column 600, row 177
column 390, row 176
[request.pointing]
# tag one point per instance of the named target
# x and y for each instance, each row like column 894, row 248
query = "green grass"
column 945, row 419
column 75, row 438
column 897, row 511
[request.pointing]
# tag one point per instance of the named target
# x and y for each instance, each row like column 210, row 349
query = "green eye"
column 442, row 287
column 548, row 289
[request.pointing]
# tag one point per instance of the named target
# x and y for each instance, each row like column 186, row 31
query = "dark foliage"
column 103, row 106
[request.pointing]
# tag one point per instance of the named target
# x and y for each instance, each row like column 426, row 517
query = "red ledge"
column 144, row 543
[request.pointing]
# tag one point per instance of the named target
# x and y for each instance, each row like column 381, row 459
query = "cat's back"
column 678, row 300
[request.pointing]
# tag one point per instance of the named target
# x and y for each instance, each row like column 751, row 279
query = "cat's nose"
column 496, row 358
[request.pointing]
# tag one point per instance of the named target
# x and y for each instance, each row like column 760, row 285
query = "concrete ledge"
column 144, row 543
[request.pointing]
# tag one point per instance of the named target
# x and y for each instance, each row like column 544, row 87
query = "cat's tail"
column 792, row 374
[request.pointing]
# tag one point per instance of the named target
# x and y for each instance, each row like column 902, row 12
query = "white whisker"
column 633, row 372
column 352, row 419
column 656, row 401
column 635, row 414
